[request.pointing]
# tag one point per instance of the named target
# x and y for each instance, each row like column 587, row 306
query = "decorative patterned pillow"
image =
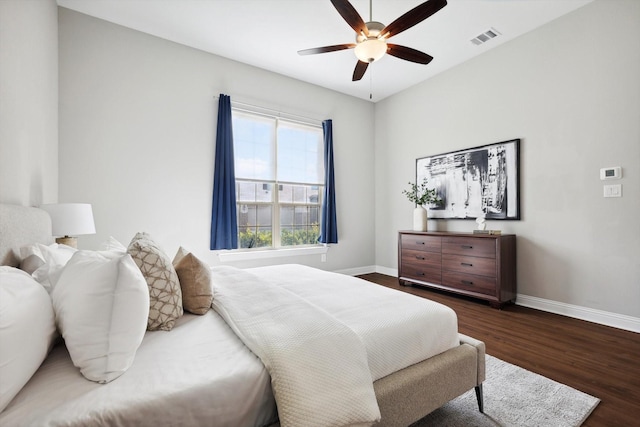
column 165, row 295
column 195, row 281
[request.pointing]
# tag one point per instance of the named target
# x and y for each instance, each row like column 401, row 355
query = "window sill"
column 236, row 255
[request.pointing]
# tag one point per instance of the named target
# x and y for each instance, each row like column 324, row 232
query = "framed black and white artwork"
column 476, row 182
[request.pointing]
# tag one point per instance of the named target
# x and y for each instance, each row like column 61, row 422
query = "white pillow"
column 101, row 303
column 27, row 330
column 111, row 244
column 49, row 260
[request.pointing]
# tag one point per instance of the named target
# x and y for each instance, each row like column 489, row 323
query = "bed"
column 221, row 368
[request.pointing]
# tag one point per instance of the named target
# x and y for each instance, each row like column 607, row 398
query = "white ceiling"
column 268, row 33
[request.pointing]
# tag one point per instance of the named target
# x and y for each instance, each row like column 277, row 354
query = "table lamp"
column 69, row 220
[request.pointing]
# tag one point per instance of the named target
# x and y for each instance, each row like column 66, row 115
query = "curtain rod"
column 275, row 113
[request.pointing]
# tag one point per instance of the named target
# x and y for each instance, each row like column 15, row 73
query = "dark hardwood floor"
column 599, row 360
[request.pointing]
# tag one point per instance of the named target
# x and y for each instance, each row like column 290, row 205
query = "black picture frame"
column 475, row 181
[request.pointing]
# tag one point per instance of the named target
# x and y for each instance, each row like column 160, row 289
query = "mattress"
column 397, row 329
column 199, row 374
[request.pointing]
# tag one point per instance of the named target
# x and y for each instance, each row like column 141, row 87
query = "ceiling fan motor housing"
column 374, row 28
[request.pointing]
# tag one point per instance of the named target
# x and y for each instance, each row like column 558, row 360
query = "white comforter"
column 318, row 366
column 395, row 329
column 199, row 374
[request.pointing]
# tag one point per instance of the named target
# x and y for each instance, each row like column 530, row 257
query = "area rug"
column 515, row 397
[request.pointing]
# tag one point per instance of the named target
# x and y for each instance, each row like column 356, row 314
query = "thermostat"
column 611, row 173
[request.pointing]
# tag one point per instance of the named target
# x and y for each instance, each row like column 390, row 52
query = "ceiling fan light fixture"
column 370, row 50
column 371, row 37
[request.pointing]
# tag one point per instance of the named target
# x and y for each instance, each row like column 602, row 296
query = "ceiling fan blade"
column 361, row 68
column 326, row 49
column 351, row 15
column 413, row 17
column 408, row 54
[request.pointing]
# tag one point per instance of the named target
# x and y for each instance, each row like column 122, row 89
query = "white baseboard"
column 357, row 271
column 606, row 318
column 388, row 271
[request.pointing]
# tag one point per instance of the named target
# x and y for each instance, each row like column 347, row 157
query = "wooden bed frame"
column 404, row 397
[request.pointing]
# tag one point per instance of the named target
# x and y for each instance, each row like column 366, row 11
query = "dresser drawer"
column 469, row 282
column 421, row 272
column 479, row 247
column 469, row 265
column 426, row 259
column 421, row 243
column 478, row 265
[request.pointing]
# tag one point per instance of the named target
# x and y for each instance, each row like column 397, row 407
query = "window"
column 279, row 169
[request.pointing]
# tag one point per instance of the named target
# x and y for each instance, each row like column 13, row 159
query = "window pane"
column 254, row 225
column 314, row 193
column 285, row 194
column 300, row 153
column 254, row 191
column 297, row 226
column 254, row 145
column 286, row 216
column 299, row 193
column 246, row 191
column 264, row 192
column 307, row 194
column 314, row 215
column 264, row 216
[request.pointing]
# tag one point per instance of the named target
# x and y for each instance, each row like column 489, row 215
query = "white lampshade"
column 70, row 219
column 370, row 50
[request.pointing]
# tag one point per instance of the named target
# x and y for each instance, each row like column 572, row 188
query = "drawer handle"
column 467, row 282
column 466, row 264
column 419, row 243
column 420, row 274
column 466, row 246
column 420, row 257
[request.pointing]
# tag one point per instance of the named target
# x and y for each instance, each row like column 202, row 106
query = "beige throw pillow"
column 195, row 281
column 165, row 295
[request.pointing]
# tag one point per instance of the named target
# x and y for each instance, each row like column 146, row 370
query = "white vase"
column 419, row 219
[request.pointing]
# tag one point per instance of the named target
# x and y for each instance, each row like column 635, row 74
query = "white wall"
column 137, row 125
column 28, row 102
column 570, row 90
column 137, row 120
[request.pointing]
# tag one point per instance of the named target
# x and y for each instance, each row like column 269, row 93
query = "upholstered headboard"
column 21, row 226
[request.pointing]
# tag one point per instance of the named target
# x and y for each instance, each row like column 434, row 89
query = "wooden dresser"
column 478, row 265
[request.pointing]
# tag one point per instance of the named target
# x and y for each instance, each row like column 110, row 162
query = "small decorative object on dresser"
column 477, row 265
column 421, row 195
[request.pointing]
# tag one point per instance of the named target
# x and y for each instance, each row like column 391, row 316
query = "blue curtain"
column 329, row 225
column 224, row 223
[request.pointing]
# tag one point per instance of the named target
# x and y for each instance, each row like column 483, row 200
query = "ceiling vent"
column 485, row 37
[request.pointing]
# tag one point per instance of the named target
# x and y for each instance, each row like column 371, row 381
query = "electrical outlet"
column 323, row 258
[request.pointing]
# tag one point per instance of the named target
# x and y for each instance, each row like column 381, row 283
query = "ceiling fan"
column 371, row 37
